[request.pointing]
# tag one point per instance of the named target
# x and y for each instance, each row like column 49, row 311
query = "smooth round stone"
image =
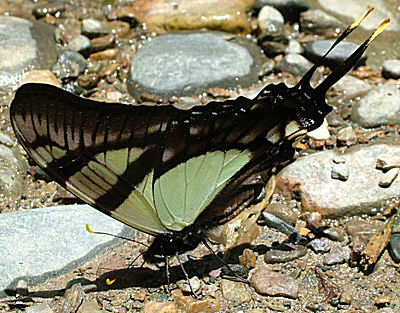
column 270, row 19
column 368, row 114
column 319, row 22
column 187, row 63
column 290, row 9
column 294, row 64
column 28, row 45
column 93, row 28
column 391, row 69
column 352, row 87
column 80, row 43
column 314, row 51
column 294, row 47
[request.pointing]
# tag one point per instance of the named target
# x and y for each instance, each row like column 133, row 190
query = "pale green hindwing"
column 138, row 209
column 182, row 193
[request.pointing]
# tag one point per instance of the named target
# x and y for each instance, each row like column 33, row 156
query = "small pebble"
column 270, row 20
column 294, row 47
column 337, row 255
column 388, row 177
column 270, row 283
column 93, row 28
column 22, row 288
column 235, row 292
column 284, row 253
column 294, row 64
column 80, row 43
column 69, row 64
column 194, row 282
column 88, row 81
column 391, row 69
column 339, row 160
column 346, row 135
column 387, row 161
column 319, row 246
column 340, row 171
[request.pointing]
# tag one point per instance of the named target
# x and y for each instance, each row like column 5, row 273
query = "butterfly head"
column 308, row 103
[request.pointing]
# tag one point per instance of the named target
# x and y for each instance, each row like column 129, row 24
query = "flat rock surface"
column 42, row 243
column 310, row 177
column 185, row 63
column 28, row 46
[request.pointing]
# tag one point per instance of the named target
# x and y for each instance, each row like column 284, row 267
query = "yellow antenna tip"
column 110, row 281
column 380, row 28
column 357, row 22
column 89, row 230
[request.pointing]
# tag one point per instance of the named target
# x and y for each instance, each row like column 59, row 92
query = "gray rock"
column 381, row 106
column 315, row 50
column 319, row 22
column 294, row 47
column 340, row 171
column 80, row 43
column 311, row 176
column 30, row 45
column 93, row 28
column 270, row 20
column 186, row 63
column 354, row 9
column 12, row 172
column 294, row 64
column 391, row 69
column 387, row 161
column 41, row 243
column 69, row 64
column 352, row 87
column 290, row 9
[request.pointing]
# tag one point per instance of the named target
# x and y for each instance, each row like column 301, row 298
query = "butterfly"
column 169, row 172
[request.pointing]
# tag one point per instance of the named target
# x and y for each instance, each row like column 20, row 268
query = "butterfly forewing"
column 154, row 168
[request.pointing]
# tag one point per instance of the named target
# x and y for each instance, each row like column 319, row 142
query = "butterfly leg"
column 167, row 273
column 186, row 277
column 226, row 265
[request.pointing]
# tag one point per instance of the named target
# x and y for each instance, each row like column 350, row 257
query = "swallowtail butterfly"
column 170, row 172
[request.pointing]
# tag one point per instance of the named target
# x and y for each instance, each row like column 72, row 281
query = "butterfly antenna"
column 340, row 71
column 305, row 80
column 112, row 235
